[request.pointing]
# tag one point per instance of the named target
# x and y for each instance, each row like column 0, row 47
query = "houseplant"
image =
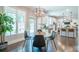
column 5, row 26
column 45, row 27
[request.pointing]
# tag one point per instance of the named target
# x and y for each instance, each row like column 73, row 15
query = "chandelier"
column 39, row 12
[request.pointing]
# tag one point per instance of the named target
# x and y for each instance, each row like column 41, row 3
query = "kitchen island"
column 69, row 31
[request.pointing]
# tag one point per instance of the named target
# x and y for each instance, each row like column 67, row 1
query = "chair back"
column 25, row 34
column 39, row 41
column 53, row 35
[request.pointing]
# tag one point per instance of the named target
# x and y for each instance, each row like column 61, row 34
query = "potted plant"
column 45, row 27
column 5, row 25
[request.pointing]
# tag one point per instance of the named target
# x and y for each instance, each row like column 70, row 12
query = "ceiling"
column 59, row 10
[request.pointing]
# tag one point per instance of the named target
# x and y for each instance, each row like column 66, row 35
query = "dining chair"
column 52, row 37
column 26, row 37
column 39, row 42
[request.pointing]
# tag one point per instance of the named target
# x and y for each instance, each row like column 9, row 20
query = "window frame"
column 15, row 11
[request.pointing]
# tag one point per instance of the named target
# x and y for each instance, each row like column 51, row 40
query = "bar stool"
column 71, row 30
column 64, row 30
column 76, row 31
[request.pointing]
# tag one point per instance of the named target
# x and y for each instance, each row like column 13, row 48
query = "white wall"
column 1, row 8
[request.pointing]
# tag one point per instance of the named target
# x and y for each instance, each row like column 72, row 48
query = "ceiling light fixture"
column 39, row 12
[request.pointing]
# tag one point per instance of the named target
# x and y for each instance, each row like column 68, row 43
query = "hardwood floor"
column 12, row 47
column 63, row 44
column 66, row 44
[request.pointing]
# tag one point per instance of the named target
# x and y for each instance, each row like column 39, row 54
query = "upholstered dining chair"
column 52, row 37
column 39, row 42
column 25, row 37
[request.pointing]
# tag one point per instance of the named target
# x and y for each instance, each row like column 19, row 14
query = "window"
column 18, row 18
column 32, row 26
column 12, row 13
column 14, row 20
